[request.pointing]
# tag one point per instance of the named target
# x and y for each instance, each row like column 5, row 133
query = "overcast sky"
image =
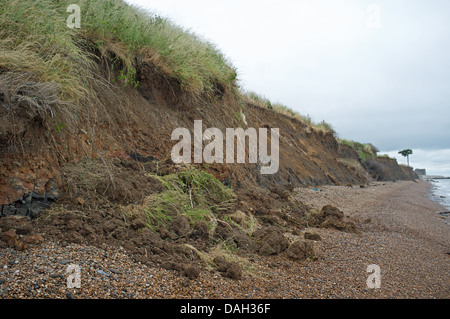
column 377, row 70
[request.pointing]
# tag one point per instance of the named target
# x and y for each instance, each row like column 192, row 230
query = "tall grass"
column 190, row 192
column 34, row 38
column 196, row 63
column 263, row 102
column 365, row 151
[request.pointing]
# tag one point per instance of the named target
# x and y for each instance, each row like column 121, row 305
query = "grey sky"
column 389, row 86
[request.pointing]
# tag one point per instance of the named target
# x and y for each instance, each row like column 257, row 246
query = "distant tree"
column 406, row 153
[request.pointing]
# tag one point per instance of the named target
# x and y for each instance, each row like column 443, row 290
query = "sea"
column 440, row 192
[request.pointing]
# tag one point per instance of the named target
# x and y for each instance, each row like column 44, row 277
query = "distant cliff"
column 388, row 169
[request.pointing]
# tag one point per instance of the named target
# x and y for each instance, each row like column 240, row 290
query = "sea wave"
column 440, row 191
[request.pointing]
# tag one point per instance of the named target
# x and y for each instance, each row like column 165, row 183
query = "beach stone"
column 115, row 271
column 64, row 261
column 103, row 273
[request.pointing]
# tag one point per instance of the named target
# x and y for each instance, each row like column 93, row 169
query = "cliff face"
column 125, row 121
column 141, row 121
column 388, row 169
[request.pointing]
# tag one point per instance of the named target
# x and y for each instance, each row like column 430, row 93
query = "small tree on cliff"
column 406, row 153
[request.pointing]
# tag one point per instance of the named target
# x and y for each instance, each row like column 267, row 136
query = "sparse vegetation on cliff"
column 263, row 102
column 365, row 151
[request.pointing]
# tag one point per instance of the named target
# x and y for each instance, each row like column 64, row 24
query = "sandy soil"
column 400, row 232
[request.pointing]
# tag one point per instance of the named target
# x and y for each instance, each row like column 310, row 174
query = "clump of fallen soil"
column 231, row 270
column 331, row 217
column 95, row 196
column 301, row 250
column 17, row 232
column 271, row 241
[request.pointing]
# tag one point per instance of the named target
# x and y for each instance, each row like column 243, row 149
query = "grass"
column 227, row 251
column 263, row 102
column 42, row 67
column 189, row 192
column 196, row 63
column 365, row 151
column 243, row 221
column 36, row 43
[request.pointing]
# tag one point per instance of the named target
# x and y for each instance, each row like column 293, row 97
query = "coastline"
column 399, row 231
column 436, row 191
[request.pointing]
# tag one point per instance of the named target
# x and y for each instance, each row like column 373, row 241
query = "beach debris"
column 332, row 217
column 444, row 214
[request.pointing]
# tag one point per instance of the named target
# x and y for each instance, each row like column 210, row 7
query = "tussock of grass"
column 190, row 192
column 19, row 90
column 41, row 64
column 223, row 249
column 245, row 222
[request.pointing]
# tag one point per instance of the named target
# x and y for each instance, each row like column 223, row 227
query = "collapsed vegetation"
column 178, row 216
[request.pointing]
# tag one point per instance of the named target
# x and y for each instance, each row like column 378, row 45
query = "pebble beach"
column 400, row 230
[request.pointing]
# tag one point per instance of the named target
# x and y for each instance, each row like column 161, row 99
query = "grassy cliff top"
column 35, row 38
column 54, row 68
